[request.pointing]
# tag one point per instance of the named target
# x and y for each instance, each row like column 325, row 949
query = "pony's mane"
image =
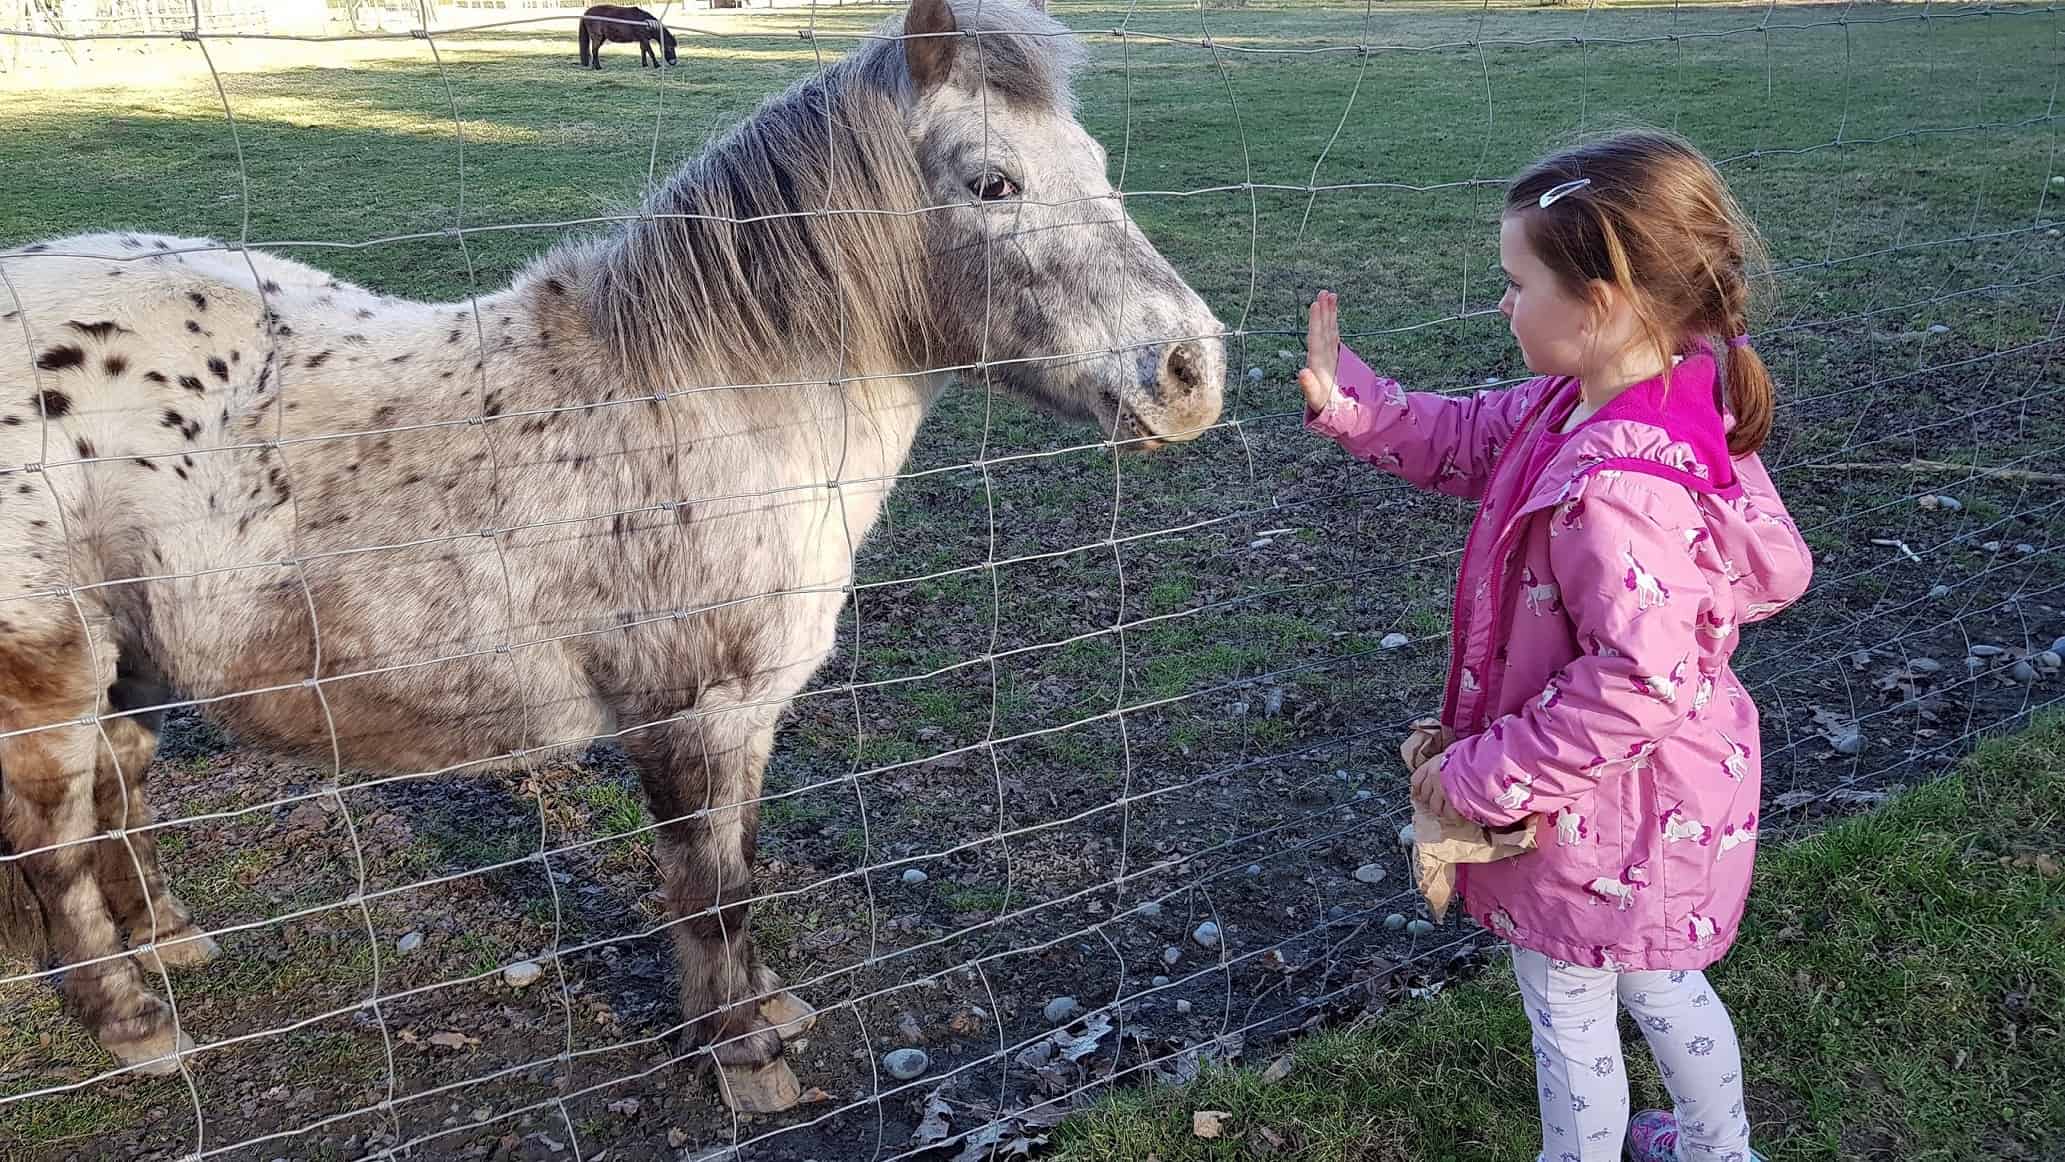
column 782, row 236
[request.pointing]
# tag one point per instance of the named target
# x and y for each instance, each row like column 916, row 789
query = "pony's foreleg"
column 127, row 866
column 48, row 689
column 702, row 781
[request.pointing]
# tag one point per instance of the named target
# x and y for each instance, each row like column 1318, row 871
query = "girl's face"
column 1558, row 331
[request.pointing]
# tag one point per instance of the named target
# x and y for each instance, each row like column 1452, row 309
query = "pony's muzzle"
column 1188, row 388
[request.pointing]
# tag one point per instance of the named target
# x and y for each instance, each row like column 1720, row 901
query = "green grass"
column 477, row 955
column 792, row 812
column 319, row 966
column 1899, row 987
column 975, row 899
column 614, row 809
column 77, row 1119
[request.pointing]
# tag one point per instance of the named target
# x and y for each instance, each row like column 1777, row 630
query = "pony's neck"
column 736, row 272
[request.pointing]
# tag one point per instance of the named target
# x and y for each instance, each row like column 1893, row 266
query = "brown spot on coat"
column 61, row 357
column 53, row 403
column 179, row 423
column 192, row 384
column 218, row 368
column 114, row 365
column 104, row 330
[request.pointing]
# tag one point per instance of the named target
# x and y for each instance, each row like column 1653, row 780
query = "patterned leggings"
column 1578, row 1068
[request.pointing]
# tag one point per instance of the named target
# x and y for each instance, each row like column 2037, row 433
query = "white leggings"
column 1580, row 1075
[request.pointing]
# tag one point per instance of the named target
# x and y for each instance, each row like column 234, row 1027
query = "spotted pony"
column 618, row 498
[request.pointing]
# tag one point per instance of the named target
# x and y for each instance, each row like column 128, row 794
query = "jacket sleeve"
column 1446, row 443
column 1778, row 557
column 1633, row 594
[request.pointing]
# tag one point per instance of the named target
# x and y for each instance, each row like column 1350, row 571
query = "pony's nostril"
column 1184, row 368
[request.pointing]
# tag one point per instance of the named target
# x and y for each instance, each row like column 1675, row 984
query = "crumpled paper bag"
column 1442, row 841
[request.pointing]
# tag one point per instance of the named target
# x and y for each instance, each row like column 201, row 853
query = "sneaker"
column 1653, row 1137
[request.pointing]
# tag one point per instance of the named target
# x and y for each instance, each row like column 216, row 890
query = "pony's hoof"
column 151, row 1055
column 769, row 1089
column 190, row 950
column 751, row 1049
column 788, row 1014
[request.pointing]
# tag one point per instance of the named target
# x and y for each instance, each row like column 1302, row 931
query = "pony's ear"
column 928, row 50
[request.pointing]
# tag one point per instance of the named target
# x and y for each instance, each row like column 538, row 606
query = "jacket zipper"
column 1459, row 632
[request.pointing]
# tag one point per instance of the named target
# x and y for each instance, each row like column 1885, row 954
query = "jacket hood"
column 1672, row 426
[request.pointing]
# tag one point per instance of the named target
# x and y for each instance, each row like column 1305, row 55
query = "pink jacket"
column 1599, row 599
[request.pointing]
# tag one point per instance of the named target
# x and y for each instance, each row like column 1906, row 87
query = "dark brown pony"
column 605, row 22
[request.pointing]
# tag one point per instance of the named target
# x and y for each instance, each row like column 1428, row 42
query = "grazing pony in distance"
column 606, row 22
column 618, row 498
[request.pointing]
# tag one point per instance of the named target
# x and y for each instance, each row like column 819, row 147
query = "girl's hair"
column 1654, row 219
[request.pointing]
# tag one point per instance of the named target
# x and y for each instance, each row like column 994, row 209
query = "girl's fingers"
column 1322, row 350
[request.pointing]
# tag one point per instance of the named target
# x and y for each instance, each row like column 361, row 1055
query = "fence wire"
column 1084, row 796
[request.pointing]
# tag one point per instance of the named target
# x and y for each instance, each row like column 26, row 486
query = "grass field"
column 1904, row 169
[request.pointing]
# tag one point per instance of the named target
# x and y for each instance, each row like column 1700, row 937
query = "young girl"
column 1626, row 532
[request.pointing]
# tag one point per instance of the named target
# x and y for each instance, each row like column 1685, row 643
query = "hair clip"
column 1739, row 341
column 1551, row 196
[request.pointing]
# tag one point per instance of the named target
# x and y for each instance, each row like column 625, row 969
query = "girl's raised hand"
column 1322, row 351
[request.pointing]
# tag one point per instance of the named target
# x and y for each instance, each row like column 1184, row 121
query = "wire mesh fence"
column 1096, row 780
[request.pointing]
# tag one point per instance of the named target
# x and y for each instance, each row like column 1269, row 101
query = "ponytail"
column 1751, row 399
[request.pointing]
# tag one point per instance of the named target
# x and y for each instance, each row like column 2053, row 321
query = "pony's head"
column 928, row 202
column 667, row 44
column 1038, row 275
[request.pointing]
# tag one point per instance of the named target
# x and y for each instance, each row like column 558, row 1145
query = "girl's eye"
column 993, row 187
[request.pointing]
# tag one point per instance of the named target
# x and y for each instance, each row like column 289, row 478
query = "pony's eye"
column 993, row 187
